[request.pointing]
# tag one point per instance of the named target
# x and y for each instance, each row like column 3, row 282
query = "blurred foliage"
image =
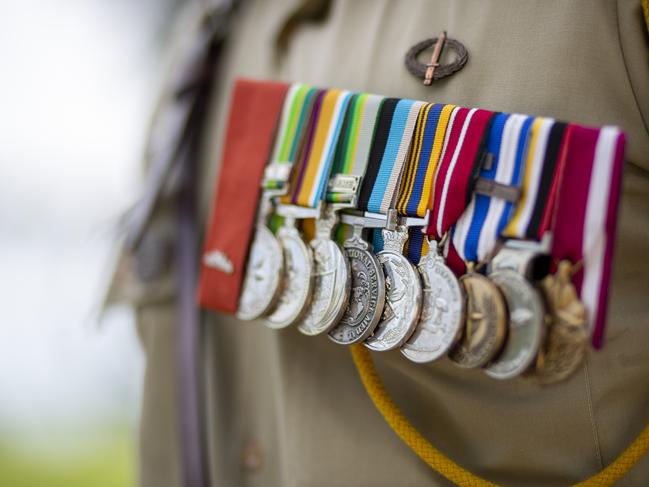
column 105, row 459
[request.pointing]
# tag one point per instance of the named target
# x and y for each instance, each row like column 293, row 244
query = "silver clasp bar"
column 298, row 212
column 365, row 219
column 390, row 221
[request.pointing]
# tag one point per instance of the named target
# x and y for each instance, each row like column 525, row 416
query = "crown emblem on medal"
column 395, row 239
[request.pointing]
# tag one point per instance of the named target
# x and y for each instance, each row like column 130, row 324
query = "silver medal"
column 403, row 294
column 526, row 325
column 442, row 312
column 297, row 280
column 332, row 279
column 367, row 296
column 262, row 282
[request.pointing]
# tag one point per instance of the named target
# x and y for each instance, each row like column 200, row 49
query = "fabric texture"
column 295, row 404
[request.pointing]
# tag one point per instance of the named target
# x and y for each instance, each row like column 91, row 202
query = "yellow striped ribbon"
column 510, row 229
column 435, row 154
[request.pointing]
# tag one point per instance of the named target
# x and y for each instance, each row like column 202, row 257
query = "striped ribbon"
column 479, row 205
column 423, row 159
column 292, row 123
column 309, row 180
column 478, row 228
column 460, row 158
column 586, row 209
column 411, row 193
column 352, row 154
column 545, row 144
column 378, row 193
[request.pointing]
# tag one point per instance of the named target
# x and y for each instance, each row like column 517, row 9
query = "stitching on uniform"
column 591, row 414
column 626, row 68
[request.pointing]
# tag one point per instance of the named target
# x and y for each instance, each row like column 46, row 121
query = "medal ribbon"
column 411, row 193
column 540, row 171
column 587, row 205
column 423, row 159
column 292, row 123
column 379, row 189
column 353, row 151
column 477, row 230
column 310, row 178
column 460, row 156
column 245, row 153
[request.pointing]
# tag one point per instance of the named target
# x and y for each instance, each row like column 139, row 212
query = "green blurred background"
column 78, row 82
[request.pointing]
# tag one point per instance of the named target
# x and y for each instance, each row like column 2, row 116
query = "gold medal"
column 486, row 322
column 567, row 337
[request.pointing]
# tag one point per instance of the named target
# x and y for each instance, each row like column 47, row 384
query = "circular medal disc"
column 366, row 298
column 526, row 325
column 297, row 281
column 485, row 324
column 402, row 303
column 332, row 282
column 262, row 282
column 442, row 312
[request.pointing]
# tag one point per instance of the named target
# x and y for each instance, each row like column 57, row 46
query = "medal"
column 263, row 275
column 453, row 154
column 378, row 196
column 332, row 268
column 297, row 277
column 525, row 305
column 486, row 322
column 367, row 299
column 228, row 241
column 265, row 269
column 476, row 234
column 442, row 315
column 526, row 325
column 588, row 203
column 402, row 294
column 308, row 184
column 567, row 335
column 567, row 338
column 332, row 277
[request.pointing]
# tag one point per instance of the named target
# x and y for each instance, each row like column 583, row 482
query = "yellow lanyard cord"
column 645, row 9
column 447, row 467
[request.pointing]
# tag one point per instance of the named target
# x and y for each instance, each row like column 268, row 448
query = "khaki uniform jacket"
column 283, row 409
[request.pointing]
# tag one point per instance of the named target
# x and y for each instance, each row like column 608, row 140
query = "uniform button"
column 252, row 456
